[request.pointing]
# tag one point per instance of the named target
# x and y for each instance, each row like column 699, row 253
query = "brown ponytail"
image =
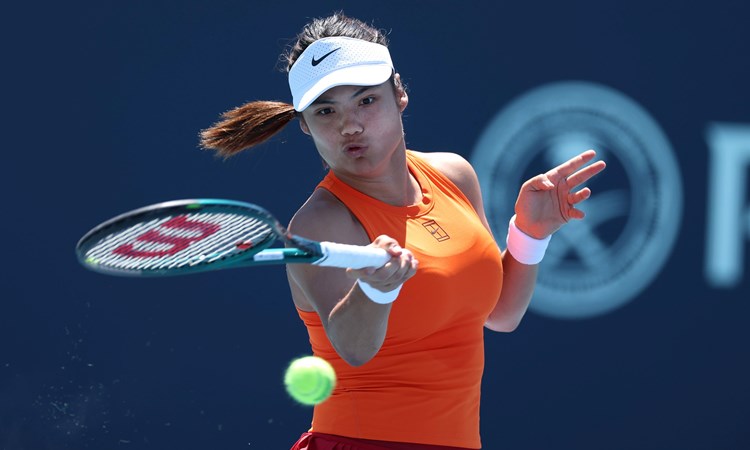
column 247, row 126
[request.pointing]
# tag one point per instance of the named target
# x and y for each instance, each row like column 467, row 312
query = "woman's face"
column 357, row 129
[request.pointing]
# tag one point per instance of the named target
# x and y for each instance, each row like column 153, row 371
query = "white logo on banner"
column 632, row 220
column 728, row 210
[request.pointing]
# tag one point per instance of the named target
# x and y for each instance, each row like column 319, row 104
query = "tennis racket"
column 190, row 236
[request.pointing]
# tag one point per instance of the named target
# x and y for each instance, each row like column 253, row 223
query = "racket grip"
column 352, row 256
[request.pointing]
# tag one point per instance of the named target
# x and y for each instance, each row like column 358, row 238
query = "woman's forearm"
column 518, row 286
column 357, row 326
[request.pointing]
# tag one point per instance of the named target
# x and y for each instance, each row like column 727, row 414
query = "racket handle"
column 352, row 256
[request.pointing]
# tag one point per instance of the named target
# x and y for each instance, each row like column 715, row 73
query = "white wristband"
column 378, row 296
column 524, row 248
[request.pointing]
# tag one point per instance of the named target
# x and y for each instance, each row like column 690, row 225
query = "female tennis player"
column 406, row 339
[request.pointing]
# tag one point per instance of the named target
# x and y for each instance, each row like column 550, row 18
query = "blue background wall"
column 103, row 102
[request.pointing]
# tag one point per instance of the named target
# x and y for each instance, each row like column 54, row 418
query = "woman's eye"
column 368, row 100
column 325, row 111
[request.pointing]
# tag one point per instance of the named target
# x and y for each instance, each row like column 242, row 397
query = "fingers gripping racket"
column 190, row 236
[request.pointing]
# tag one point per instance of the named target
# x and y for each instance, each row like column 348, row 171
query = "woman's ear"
column 303, row 125
column 402, row 98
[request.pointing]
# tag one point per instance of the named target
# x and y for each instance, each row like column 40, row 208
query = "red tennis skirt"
column 322, row 441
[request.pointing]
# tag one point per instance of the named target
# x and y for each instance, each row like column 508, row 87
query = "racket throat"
column 312, row 248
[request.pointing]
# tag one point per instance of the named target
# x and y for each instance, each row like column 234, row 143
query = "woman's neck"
column 397, row 186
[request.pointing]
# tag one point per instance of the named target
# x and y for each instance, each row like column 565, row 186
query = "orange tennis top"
column 423, row 386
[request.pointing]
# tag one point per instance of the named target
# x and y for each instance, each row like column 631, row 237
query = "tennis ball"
column 310, row 380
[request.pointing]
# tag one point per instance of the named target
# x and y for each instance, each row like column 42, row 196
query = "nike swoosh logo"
column 315, row 62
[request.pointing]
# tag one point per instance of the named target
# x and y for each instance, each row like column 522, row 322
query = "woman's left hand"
column 546, row 202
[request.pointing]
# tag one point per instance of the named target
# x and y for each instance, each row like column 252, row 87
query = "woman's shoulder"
column 452, row 165
column 325, row 217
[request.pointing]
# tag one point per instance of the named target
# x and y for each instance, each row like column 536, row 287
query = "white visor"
column 337, row 61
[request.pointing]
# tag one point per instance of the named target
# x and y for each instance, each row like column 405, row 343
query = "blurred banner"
column 597, row 264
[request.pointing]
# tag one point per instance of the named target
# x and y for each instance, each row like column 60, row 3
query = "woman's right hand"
column 402, row 266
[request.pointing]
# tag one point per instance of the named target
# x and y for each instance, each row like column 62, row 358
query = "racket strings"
column 219, row 245
column 196, row 252
column 197, row 238
column 234, row 231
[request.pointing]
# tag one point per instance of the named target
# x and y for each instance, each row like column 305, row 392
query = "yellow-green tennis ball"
column 310, row 380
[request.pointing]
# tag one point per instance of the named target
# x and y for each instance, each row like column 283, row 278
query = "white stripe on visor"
column 337, row 61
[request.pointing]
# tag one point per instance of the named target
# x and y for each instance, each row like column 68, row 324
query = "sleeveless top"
column 423, row 386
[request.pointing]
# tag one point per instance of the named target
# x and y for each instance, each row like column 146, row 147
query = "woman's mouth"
column 355, row 149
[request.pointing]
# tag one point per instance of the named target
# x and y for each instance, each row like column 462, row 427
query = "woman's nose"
column 350, row 125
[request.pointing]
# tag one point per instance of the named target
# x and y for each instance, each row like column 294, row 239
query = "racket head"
column 179, row 237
